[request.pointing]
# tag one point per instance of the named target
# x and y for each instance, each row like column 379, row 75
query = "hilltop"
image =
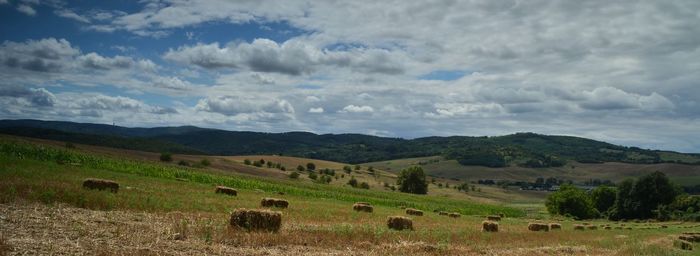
column 527, row 150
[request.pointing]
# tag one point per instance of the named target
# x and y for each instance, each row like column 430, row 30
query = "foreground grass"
column 181, row 200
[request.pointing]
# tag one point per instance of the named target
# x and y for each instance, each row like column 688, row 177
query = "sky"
column 625, row 72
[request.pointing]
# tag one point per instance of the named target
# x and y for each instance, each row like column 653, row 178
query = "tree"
column 311, row 166
column 300, row 168
column 622, row 208
column 412, row 180
column 650, row 191
column 603, row 198
column 571, row 201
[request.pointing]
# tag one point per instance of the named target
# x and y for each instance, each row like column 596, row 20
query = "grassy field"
column 157, row 201
column 578, row 172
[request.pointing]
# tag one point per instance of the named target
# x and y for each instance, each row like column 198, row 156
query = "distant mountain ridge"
column 523, row 149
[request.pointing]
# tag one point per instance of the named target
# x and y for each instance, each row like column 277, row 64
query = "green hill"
column 528, row 150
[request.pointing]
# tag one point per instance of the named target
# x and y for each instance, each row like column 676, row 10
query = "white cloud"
column 357, row 109
column 69, row 14
column 316, row 110
column 26, row 9
column 235, row 105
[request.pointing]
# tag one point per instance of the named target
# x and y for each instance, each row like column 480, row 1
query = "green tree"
column 352, row 182
column 412, row 180
column 571, row 201
column 650, row 191
column 623, row 206
column 300, row 168
column 603, row 198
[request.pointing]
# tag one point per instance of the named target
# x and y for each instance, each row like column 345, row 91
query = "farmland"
column 157, row 201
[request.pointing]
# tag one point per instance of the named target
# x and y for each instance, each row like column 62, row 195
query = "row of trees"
column 650, row 196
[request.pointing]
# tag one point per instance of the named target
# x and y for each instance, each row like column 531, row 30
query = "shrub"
column 347, row 169
column 364, row 185
column 205, row 162
column 300, row 168
column 294, row 175
column 246, row 162
column 357, row 167
column 183, row 163
column 412, row 180
column 353, row 182
column 311, row 166
column 572, row 201
column 166, row 157
column 312, row 176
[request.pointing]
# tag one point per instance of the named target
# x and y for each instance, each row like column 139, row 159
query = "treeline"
column 521, row 149
column 650, row 196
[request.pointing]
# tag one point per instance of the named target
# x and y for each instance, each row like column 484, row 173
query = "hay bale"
column 274, row 202
column 366, row 203
column 101, row 184
column 579, row 227
column 362, row 207
column 415, row 212
column 690, row 238
column 226, row 190
column 399, row 223
column 607, row 227
column 538, row 227
column 592, row 227
column 489, row 226
column 256, row 220
column 553, row 226
column 443, row 213
column 683, row 245
column 454, row 215
column 493, row 218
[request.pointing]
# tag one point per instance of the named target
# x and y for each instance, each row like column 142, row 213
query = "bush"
column 183, row 163
column 246, row 162
column 294, row 175
column 166, row 157
column 312, row 176
column 357, row 167
column 571, row 201
column 347, row 169
column 364, row 185
column 205, row 162
column 300, row 168
column 311, row 166
column 258, row 163
column 412, row 180
column 352, row 182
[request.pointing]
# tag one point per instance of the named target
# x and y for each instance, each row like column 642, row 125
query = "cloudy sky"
column 626, row 72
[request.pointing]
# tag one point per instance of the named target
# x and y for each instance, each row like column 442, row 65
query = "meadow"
column 173, row 210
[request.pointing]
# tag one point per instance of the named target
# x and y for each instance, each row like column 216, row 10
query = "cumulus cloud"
column 356, row 109
column 316, row 110
column 45, row 55
column 235, row 105
column 39, row 97
column 26, row 9
column 609, row 98
column 291, row 57
column 69, row 14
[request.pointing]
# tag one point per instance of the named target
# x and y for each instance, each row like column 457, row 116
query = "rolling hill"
column 527, row 150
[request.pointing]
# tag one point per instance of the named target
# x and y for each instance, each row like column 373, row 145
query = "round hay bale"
column 415, row 212
column 683, row 245
column 362, row 207
column 579, row 227
column 274, row 202
column 443, row 213
column 100, row 184
column 538, row 227
column 399, row 223
column 454, row 215
column 226, row 190
column 493, row 218
column 489, row 226
column 256, row 220
column 553, row 226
